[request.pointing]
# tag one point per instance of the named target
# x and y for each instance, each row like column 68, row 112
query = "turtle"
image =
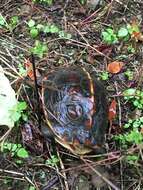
column 75, row 108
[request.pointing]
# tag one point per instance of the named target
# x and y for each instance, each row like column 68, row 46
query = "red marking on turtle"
column 88, row 123
column 76, row 142
column 87, row 142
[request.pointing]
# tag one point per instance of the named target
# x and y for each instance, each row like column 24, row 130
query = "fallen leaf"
column 129, row 92
column 135, row 30
column 115, row 67
column 112, row 110
column 29, row 68
column 137, row 36
column 135, row 25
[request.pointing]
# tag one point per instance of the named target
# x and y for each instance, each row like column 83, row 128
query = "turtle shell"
column 75, row 109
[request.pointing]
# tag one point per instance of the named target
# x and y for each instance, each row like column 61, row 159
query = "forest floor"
column 106, row 36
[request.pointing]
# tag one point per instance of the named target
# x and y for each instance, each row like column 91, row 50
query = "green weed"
column 18, row 112
column 15, row 150
column 124, row 33
column 83, row 2
column 135, row 97
column 48, row 2
column 39, row 49
column 129, row 74
column 104, row 75
column 9, row 25
column 109, row 36
column 133, row 136
column 53, row 161
column 131, row 159
column 37, row 29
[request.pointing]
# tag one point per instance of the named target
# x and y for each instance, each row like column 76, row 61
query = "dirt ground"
column 83, row 46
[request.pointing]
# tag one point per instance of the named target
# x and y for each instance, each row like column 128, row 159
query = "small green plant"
column 53, row 161
column 137, row 123
column 109, row 36
column 104, row 75
column 22, row 71
column 124, row 33
column 83, row 2
column 131, row 159
column 131, row 49
column 18, row 111
column 11, row 24
column 133, row 129
column 64, row 35
column 47, row 28
column 31, row 188
column 135, row 97
column 16, row 150
column 39, row 49
column 133, row 134
column 33, row 30
column 129, row 74
column 54, row 29
column 31, row 23
column 36, row 29
column 48, row 2
column 132, row 137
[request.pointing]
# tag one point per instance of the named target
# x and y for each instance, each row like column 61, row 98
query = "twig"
column 11, row 45
column 2, row 139
column 119, row 105
column 89, row 17
column 100, row 175
column 36, row 90
column 63, row 172
column 18, row 174
column 51, row 183
column 4, row 60
column 48, row 166
column 87, row 43
column 120, row 124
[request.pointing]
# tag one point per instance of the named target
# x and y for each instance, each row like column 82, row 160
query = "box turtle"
column 75, row 109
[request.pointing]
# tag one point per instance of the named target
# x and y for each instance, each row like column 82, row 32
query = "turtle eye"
column 74, row 112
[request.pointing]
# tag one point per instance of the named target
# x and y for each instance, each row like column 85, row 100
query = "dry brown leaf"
column 29, row 68
column 137, row 36
column 115, row 67
column 112, row 110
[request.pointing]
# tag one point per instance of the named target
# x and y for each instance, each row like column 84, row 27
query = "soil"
column 86, row 47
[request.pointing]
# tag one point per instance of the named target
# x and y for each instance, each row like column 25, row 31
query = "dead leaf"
column 135, row 24
column 112, row 110
column 137, row 36
column 115, row 67
column 29, row 68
